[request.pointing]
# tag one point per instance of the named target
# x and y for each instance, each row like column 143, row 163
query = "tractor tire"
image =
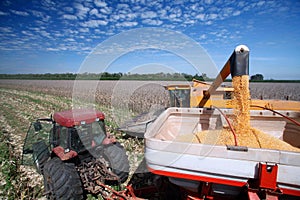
column 115, row 154
column 61, row 180
column 40, row 155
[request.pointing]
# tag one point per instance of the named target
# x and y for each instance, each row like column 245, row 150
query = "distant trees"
column 257, row 77
column 106, row 76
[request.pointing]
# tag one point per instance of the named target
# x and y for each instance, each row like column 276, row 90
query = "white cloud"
column 6, row 30
column 203, row 37
column 162, row 14
column 69, row 17
column 27, row 33
column 52, row 49
column 212, row 16
column 236, row 13
column 201, row 16
column 21, row 13
column 189, row 21
column 176, row 11
column 45, row 34
column 208, row 1
column 261, row 3
column 48, row 3
column 106, row 10
column 94, row 11
column 131, row 16
column 148, row 14
column 3, row 13
column 81, row 10
column 209, row 22
column 127, row 24
column 94, row 23
column 172, row 16
column 226, row 12
column 152, row 22
column 68, row 9
column 84, row 30
column 122, row 6
column 241, row 4
column 70, row 40
column 100, row 3
column 43, row 16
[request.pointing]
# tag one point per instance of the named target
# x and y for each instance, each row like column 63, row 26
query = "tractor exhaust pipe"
column 237, row 65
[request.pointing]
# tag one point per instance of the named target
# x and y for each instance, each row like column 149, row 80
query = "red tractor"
column 75, row 154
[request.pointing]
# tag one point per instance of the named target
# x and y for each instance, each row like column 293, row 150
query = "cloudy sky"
column 51, row 36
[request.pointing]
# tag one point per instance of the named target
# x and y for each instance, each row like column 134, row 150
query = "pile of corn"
column 246, row 135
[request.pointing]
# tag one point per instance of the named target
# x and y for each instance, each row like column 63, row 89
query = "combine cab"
column 186, row 96
column 75, row 154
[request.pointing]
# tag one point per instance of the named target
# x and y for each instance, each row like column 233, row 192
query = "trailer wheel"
column 61, row 180
column 115, row 154
column 40, row 155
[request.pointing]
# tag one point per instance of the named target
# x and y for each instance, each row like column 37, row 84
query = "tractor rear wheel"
column 61, row 180
column 115, row 154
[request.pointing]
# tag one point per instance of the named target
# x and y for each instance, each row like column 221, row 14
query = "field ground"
column 24, row 101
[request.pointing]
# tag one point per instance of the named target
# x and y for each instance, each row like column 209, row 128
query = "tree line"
column 107, row 76
column 128, row 76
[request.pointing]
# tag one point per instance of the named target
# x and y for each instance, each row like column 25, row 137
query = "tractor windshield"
column 86, row 136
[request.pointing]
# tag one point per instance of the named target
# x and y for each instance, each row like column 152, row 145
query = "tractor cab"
column 67, row 134
column 77, row 130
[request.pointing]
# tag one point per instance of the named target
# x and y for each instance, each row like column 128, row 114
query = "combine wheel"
column 61, row 180
column 40, row 155
column 115, row 154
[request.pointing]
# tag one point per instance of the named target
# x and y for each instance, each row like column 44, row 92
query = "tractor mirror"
column 37, row 126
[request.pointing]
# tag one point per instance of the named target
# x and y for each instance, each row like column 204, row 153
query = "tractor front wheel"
column 115, row 154
column 61, row 180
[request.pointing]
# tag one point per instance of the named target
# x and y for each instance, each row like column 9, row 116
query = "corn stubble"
column 246, row 135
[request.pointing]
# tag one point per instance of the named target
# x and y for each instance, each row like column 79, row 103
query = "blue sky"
column 47, row 36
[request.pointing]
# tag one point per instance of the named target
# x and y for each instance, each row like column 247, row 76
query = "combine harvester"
column 204, row 168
